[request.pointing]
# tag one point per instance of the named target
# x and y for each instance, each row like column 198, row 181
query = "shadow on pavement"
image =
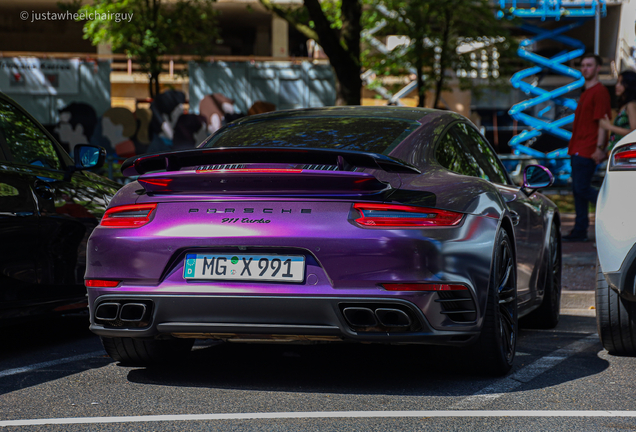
column 43, row 341
column 38, row 334
column 357, row 368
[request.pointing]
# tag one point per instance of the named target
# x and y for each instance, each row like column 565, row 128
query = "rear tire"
column 615, row 318
column 145, row 352
column 547, row 315
column 496, row 345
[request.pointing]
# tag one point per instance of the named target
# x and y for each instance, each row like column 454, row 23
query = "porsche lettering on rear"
column 249, row 210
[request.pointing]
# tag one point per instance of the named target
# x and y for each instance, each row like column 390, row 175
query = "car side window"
column 451, row 155
column 27, row 143
column 481, row 153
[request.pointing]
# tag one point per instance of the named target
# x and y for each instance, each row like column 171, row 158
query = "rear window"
column 369, row 134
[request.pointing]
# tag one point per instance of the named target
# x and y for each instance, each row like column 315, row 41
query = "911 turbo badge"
column 244, row 220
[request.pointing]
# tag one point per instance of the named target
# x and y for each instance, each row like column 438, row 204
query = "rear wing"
column 346, row 160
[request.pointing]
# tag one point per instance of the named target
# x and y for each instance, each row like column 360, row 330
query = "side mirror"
column 537, row 177
column 88, row 156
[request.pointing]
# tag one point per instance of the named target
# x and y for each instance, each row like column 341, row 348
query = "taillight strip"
column 128, row 216
column 101, row 283
column 403, row 216
column 423, row 287
column 624, row 158
column 156, row 182
column 252, row 171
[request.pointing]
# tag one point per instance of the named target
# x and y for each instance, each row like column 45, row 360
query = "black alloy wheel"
column 498, row 340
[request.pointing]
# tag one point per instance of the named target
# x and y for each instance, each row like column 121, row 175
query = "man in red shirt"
column 587, row 145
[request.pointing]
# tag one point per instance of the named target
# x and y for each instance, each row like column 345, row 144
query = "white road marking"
column 524, row 375
column 556, row 330
column 465, row 408
column 321, row 415
column 42, row 365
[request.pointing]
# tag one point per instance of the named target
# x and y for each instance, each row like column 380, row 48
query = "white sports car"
column 616, row 248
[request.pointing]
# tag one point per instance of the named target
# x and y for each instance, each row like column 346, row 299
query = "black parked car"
column 49, row 205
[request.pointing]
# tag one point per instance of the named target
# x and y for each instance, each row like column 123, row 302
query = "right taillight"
column 128, row 216
column 623, row 158
column 389, row 216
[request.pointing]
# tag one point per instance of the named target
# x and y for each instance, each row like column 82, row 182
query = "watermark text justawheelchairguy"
column 75, row 16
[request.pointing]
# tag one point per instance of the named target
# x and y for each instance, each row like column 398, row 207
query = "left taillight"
column 403, row 216
column 101, row 283
column 128, row 216
column 623, row 158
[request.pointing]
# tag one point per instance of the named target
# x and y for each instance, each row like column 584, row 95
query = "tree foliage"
column 450, row 37
column 335, row 25
column 155, row 29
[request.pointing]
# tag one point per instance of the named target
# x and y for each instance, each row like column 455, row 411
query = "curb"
column 578, row 303
column 580, row 259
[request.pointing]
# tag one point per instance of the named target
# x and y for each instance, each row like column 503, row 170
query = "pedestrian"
column 588, row 142
column 190, row 130
column 625, row 121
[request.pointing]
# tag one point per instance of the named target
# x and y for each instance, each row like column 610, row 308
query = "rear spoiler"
column 344, row 159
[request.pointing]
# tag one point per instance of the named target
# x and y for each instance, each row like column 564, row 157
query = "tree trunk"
column 155, row 65
column 349, row 83
column 419, row 65
column 156, row 84
column 151, row 87
column 342, row 48
column 421, row 91
column 439, row 85
column 153, row 84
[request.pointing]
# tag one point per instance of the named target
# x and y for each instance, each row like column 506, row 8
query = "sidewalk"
column 579, row 270
column 578, row 253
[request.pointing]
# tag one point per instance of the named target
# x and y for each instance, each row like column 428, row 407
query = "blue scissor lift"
column 573, row 13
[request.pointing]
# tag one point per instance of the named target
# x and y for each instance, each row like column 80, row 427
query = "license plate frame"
column 244, row 267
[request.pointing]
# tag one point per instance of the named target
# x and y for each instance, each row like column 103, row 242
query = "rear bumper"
column 276, row 318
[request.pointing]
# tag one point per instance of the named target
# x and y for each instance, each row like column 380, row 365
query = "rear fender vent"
column 459, row 306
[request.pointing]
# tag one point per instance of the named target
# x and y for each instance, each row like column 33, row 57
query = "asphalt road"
column 54, row 376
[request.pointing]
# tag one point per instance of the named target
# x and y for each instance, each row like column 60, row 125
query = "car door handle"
column 514, row 216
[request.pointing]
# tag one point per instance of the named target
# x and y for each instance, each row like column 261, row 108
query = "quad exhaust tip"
column 389, row 317
column 107, row 312
column 360, row 317
column 132, row 312
column 127, row 312
column 367, row 318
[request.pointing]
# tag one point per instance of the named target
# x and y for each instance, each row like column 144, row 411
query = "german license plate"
column 280, row 268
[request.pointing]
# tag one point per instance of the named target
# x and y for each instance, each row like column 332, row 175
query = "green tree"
column 445, row 37
column 335, row 25
column 156, row 28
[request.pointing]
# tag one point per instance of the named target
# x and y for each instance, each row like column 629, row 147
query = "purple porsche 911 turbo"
column 342, row 224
